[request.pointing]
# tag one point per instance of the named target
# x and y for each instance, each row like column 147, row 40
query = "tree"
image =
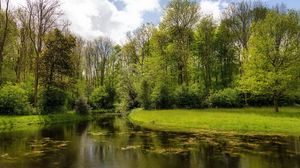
column 25, row 59
column 227, row 61
column 57, row 60
column 43, row 17
column 241, row 16
column 142, row 42
column 179, row 19
column 205, row 50
column 145, row 94
column 104, row 48
column 273, row 56
column 3, row 34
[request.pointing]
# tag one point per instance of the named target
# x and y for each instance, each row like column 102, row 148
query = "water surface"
column 113, row 142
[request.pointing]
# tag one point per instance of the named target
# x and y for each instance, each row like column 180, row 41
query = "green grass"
column 236, row 121
column 13, row 123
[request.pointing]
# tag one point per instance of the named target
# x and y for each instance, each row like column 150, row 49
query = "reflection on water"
column 112, row 142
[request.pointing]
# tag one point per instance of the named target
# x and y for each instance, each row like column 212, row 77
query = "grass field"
column 12, row 123
column 237, row 121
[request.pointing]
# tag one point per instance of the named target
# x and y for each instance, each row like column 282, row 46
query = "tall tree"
column 58, row 65
column 24, row 61
column 225, row 48
column 273, row 56
column 179, row 19
column 3, row 34
column 142, row 39
column 241, row 15
column 205, row 50
column 104, row 48
column 43, row 17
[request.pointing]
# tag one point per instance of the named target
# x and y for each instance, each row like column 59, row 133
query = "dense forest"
column 250, row 57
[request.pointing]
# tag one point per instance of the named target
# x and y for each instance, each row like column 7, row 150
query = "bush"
column 187, row 98
column 103, row 98
column 267, row 100
column 28, row 86
column 53, row 100
column 224, row 98
column 162, row 97
column 145, row 95
column 14, row 101
column 81, row 106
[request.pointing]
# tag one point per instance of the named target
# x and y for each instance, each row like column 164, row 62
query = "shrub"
column 258, row 100
column 145, row 95
column 224, row 98
column 162, row 97
column 187, row 98
column 103, row 98
column 267, row 100
column 28, row 86
column 14, row 101
column 81, row 106
column 53, row 100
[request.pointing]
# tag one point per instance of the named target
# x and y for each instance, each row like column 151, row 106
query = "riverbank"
column 12, row 123
column 254, row 121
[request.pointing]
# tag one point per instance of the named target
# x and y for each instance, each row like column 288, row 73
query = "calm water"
column 112, row 142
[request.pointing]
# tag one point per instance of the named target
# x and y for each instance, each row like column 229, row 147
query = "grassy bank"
column 11, row 123
column 237, row 121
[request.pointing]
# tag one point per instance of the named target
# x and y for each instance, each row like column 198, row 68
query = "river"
column 113, row 142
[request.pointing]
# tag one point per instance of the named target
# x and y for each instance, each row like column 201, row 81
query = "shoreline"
column 17, row 123
column 244, row 121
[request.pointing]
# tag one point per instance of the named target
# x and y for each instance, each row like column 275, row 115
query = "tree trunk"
column 1, row 64
column 3, row 40
column 275, row 99
column 246, row 99
column 36, row 81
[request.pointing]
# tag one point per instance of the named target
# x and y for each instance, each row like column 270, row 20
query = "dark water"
column 112, row 142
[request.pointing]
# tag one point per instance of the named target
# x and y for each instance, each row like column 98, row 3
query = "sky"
column 114, row 18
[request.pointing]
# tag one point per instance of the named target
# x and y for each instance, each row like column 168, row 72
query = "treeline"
column 248, row 58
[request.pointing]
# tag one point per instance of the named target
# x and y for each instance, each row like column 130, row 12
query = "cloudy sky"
column 114, row 18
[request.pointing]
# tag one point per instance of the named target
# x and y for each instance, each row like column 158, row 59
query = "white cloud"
column 93, row 18
column 213, row 7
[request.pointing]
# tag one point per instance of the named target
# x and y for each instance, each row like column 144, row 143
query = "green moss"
column 237, row 121
column 12, row 123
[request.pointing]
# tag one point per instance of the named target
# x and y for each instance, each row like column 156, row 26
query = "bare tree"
column 89, row 53
column 3, row 36
column 142, row 38
column 43, row 17
column 240, row 14
column 104, row 48
column 25, row 49
column 79, row 53
column 97, row 55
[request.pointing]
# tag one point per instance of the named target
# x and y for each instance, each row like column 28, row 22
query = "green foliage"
column 162, row 97
column 28, row 87
column 53, row 100
column 260, row 100
column 187, row 98
column 145, row 95
column 81, row 106
column 57, row 61
column 103, row 98
column 274, row 59
column 224, row 98
column 14, row 100
column 177, row 64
